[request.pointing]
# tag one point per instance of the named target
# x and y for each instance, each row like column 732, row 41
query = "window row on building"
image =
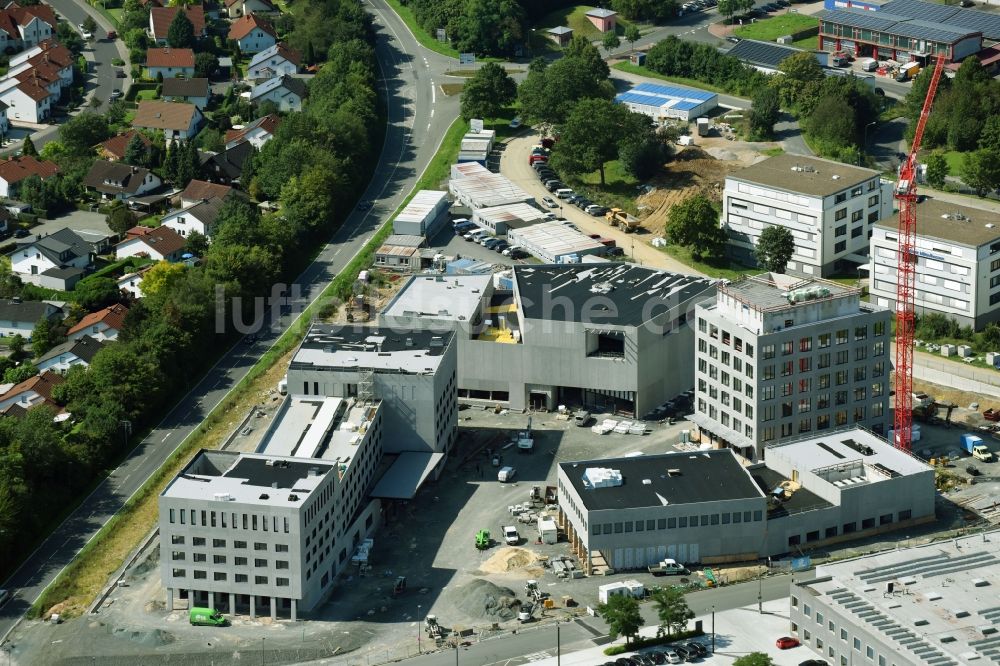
column 679, row 522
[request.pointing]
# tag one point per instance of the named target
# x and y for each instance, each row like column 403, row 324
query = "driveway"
column 76, row 220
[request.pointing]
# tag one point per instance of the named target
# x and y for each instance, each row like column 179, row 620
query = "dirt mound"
column 508, row 559
column 692, row 171
column 144, row 636
column 483, row 600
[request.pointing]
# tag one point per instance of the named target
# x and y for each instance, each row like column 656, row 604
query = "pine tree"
column 136, row 152
column 29, row 147
column 308, row 56
column 170, row 163
column 180, row 34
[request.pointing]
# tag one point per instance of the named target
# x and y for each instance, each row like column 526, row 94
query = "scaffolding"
column 366, row 386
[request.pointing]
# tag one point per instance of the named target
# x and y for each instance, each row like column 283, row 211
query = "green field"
column 575, row 17
column 770, row 29
column 642, row 71
column 716, row 268
column 955, row 159
column 808, row 43
column 618, row 190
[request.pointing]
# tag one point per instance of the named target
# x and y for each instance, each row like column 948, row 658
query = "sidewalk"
column 738, row 632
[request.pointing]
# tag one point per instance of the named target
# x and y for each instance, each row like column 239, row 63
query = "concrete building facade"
column 830, row 209
column 932, row 604
column 706, row 507
column 597, row 335
column 958, row 262
column 780, row 357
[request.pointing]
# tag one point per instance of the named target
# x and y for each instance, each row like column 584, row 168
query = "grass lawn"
column 145, row 95
column 427, row 41
column 642, row 71
column 774, row 152
column 618, row 190
column 450, row 89
column 807, row 43
column 955, row 159
column 770, row 29
column 575, row 17
column 716, row 268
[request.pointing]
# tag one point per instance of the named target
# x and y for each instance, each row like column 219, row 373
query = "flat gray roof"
column 409, row 471
column 769, row 291
column 329, row 429
column 439, row 297
column 810, row 176
column 354, row 347
column 952, row 222
column 845, row 447
column 943, row 609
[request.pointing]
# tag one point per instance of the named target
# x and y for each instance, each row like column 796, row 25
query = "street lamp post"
column 262, row 639
column 418, row 628
column 760, row 590
column 558, row 647
column 864, row 145
column 713, row 629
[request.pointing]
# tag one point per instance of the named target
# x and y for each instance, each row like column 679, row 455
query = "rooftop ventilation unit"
column 673, row 472
column 602, row 477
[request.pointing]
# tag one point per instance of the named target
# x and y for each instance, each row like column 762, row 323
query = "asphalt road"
column 527, row 646
column 418, row 117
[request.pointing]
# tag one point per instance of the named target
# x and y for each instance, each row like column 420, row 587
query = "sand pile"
column 482, row 599
column 508, row 559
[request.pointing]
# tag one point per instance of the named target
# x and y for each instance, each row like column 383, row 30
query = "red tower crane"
column 906, row 263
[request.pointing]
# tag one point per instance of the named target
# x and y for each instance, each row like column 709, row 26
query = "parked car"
column 116, row 94
column 547, row 175
column 657, row 657
column 112, row 35
column 515, row 123
column 554, row 185
column 582, row 203
column 697, row 647
column 596, row 210
column 550, row 202
column 501, row 246
column 21, row 233
column 672, row 656
column 615, row 252
column 119, row 73
column 488, row 241
column 786, row 643
column 4, row 597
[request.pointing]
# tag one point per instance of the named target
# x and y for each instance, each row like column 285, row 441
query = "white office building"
column 958, row 262
column 781, row 356
column 829, row 207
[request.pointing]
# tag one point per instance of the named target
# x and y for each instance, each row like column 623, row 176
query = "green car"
column 207, row 617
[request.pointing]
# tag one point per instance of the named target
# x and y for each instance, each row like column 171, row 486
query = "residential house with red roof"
column 114, row 148
column 29, row 99
column 257, row 132
column 253, row 34
column 237, row 8
column 16, row 169
column 161, row 244
column 105, row 324
column 160, row 19
column 177, row 120
column 31, row 393
column 24, row 27
column 169, row 62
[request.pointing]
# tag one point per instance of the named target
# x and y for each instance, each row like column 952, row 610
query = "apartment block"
column 830, row 209
column 958, row 262
column 779, row 356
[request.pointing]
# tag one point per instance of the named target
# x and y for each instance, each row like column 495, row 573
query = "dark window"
column 671, row 523
column 831, row 532
column 758, row 516
column 737, row 517
column 885, row 519
column 867, row 523
column 850, row 528
column 618, row 528
column 682, row 521
column 812, row 536
column 794, row 540
column 715, row 519
column 905, row 515
column 725, row 519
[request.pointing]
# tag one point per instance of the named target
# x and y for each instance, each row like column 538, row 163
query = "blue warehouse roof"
column 916, row 24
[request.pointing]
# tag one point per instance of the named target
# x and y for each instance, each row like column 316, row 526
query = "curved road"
column 418, row 117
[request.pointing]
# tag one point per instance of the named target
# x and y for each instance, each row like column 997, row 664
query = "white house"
column 19, row 317
column 70, row 353
column 177, row 121
column 160, row 244
column 199, row 216
column 253, row 34
column 131, row 283
column 279, row 60
column 117, row 180
column 32, row 392
column 17, row 169
column 24, row 27
column 237, row 8
column 105, row 324
column 28, row 101
column 169, row 63
column 257, row 132
column 57, row 260
column 829, row 207
column 286, row 92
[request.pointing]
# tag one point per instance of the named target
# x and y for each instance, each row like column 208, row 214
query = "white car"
column 514, row 124
column 510, row 535
column 550, row 202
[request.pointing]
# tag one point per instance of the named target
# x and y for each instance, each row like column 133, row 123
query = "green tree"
column 29, row 147
column 16, row 345
column 581, row 49
column 672, row 609
column 832, row 122
column 492, row 27
column 937, row 169
column 95, row 293
column 180, row 34
column 622, row 615
column 728, row 8
column 487, row 93
column 195, row 243
column 774, row 249
column 204, row 64
column 694, row 224
column 89, row 24
column 754, row 659
column 981, row 171
column 589, row 138
column 632, row 35
column 163, row 277
column 989, row 338
column 210, row 139
column 119, row 218
column 989, row 138
column 137, row 152
column 643, row 155
column 44, row 336
column 764, row 113
column 610, row 41
column 309, row 200
column 20, row 373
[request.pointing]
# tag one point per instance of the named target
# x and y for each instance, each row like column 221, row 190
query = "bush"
column 639, row 643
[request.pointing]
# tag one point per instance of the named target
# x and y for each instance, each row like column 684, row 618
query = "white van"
column 564, row 193
column 868, row 64
column 506, row 474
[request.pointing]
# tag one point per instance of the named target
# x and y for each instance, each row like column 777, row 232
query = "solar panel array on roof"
column 905, row 21
column 924, row 10
column 670, row 91
column 767, row 54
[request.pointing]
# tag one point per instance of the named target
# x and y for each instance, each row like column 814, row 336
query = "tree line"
column 320, row 160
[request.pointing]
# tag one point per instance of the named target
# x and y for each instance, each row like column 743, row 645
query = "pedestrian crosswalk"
column 537, row 656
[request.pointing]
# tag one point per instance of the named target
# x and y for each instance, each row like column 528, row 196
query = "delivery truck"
column 207, row 617
column 974, row 446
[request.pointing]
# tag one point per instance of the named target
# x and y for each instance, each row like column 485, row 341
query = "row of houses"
column 35, row 82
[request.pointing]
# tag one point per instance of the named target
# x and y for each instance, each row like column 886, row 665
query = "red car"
column 786, row 642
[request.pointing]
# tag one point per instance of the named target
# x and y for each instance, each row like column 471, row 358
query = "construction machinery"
column 525, row 442
column 483, row 540
column 432, row 627
column 906, row 261
column 616, row 217
column 399, row 586
column 532, row 592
